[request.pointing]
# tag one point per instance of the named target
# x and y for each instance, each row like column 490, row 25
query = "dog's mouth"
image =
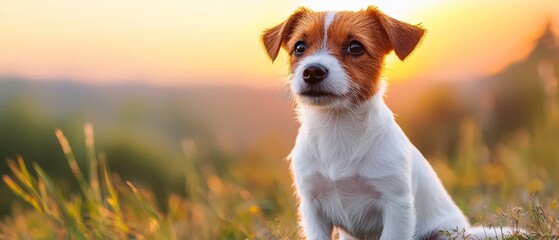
column 319, row 97
column 317, row 93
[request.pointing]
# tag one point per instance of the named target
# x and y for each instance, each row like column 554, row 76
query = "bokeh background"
column 182, row 88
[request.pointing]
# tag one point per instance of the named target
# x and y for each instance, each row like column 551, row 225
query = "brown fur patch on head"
column 379, row 34
column 363, row 70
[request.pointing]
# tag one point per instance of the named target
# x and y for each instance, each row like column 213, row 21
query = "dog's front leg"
column 315, row 225
column 399, row 219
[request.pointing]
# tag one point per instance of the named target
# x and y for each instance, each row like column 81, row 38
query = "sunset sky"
column 217, row 41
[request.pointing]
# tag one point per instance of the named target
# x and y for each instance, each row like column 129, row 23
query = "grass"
column 515, row 188
column 108, row 208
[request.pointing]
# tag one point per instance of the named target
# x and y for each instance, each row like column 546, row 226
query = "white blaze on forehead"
column 327, row 21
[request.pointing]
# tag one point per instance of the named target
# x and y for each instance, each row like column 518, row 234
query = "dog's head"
column 336, row 57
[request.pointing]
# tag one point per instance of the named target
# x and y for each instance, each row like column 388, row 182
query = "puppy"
column 354, row 169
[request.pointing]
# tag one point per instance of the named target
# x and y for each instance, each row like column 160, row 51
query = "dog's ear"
column 275, row 37
column 403, row 37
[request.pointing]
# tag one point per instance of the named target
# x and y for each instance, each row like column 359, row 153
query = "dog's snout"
column 314, row 73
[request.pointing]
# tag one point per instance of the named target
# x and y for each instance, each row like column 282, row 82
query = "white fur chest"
column 351, row 203
column 339, row 187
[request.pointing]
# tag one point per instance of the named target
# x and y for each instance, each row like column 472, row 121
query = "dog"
column 353, row 167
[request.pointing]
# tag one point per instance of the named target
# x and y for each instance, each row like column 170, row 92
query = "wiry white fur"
column 355, row 169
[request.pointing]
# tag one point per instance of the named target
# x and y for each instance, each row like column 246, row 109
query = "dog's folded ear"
column 403, row 37
column 275, row 37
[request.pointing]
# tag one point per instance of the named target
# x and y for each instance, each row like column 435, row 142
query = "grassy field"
column 519, row 190
column 511, row 184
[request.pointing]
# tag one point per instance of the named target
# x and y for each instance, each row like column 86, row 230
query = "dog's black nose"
column 314, row 74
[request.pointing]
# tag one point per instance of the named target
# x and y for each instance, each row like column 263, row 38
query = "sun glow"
column 333, row 5
column 398, row 9
column 216, row 41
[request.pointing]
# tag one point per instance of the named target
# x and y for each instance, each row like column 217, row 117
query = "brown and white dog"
column 354, row 169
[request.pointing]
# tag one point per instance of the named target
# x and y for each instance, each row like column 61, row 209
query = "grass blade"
column 21, row 193
column 113, row 199
column 92, row 160
column 74, row 167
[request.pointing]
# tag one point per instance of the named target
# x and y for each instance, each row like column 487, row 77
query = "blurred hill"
column 240, row 131
column 515, row 98
column 509, row 102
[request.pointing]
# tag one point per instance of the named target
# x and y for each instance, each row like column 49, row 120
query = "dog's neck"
column 338, row 133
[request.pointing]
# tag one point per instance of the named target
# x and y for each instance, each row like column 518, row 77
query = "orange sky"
column 217, row 41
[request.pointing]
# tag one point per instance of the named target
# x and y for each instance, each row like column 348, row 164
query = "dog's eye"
column 300, row 48
column 355, row 48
